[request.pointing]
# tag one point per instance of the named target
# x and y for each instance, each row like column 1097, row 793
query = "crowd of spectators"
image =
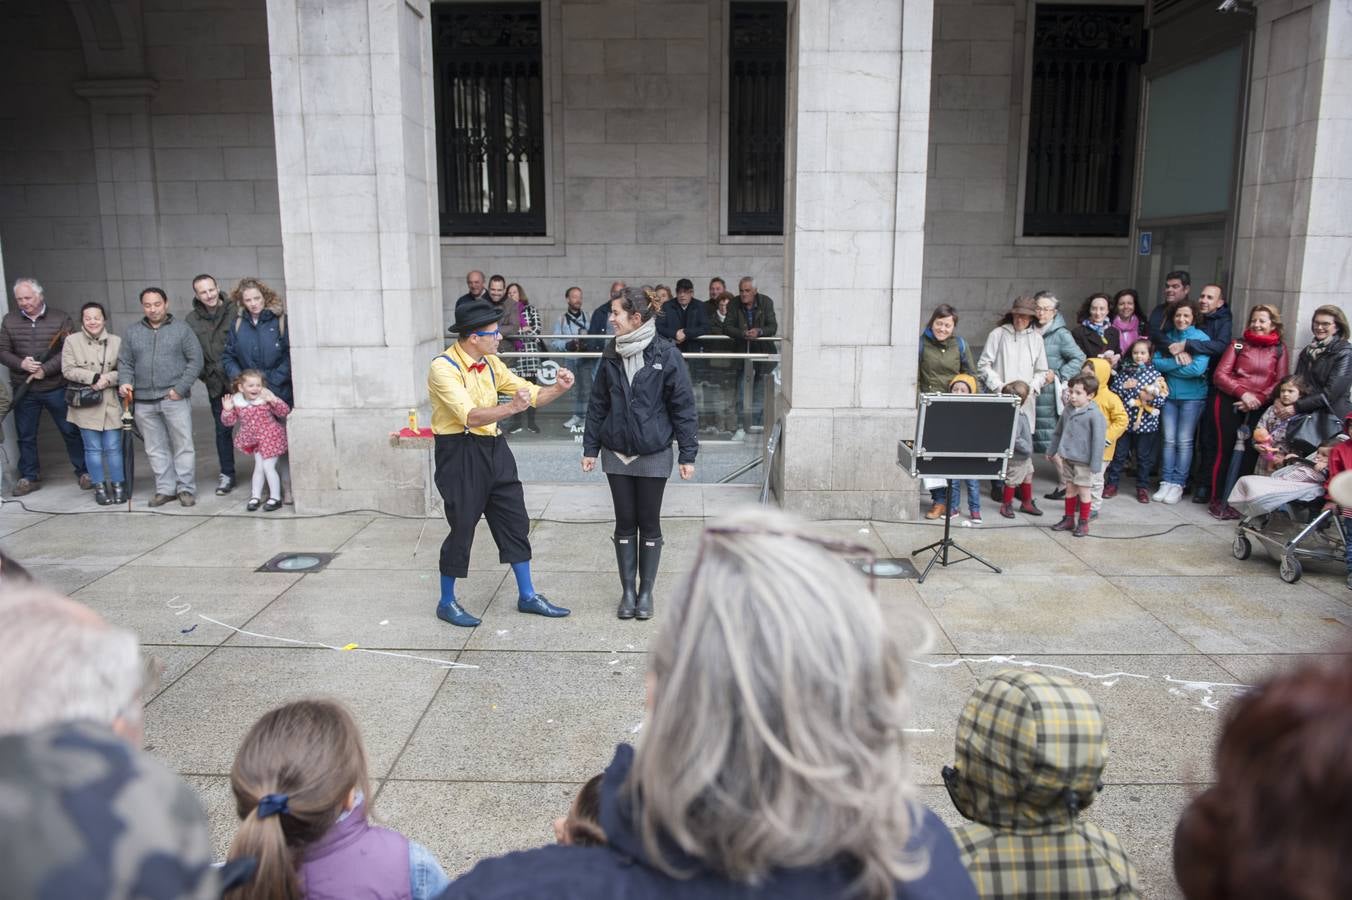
column 771, row 763
column 1186, row 405
column 86, row 376
column 705, row 331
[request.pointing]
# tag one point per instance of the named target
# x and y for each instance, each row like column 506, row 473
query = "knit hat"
column 965, row 379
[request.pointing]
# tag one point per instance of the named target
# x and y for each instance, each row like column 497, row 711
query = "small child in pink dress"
column 261, row 416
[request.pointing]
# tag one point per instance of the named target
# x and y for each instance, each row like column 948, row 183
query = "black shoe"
column 1058, row 494
column 1201, row 495
column 101, row 495
column 272, row 505
column 224, row 485
column 649, row 555
column 998, row 491
column 253, row 504
column 626, row 559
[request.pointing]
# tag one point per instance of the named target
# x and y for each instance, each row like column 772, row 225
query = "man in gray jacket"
column 161, row 358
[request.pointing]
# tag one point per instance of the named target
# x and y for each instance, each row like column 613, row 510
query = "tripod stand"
column 942, row 546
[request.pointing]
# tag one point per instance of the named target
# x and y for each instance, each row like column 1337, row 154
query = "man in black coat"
column 1218, row 323
column 474, row 280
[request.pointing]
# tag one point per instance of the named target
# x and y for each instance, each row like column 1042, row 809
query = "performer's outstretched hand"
column 564, row 379
column 687, row 471
column 588, row 463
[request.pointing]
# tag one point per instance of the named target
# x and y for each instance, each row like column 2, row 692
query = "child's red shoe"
column 1066, row 524
column 1142, row 495
column 1109, row 491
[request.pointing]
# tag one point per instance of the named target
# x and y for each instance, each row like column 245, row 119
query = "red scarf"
column 1270, row 339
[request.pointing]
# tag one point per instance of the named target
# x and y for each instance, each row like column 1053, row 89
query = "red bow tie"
column 477, row 367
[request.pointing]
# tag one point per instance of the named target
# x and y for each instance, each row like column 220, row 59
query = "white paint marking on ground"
column 440, row 663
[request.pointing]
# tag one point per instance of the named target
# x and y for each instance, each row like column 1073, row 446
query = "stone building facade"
column 144, row 141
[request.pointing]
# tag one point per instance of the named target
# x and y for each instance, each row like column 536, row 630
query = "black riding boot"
column 626, row 558
column 649, row 556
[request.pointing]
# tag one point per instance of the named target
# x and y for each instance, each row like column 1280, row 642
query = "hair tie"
column 271, row 804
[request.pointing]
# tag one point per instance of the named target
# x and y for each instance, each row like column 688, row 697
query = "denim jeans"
column 973, row 495
column 1180, row 419
column 225, row 444
column 1146, row 444
column 102, row 447
column 166, row 426
column 27, row 414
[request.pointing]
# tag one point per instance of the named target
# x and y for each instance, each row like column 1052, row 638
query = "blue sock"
column 447, row 588
column 524, row 587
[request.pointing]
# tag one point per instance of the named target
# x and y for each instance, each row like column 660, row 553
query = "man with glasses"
column 752, row 319
column 475, row 470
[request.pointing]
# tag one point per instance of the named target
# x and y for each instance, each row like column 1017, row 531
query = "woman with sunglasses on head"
column 641, row 401
column 772, row 760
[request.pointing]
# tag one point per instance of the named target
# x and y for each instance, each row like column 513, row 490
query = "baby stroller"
column 1286, row 516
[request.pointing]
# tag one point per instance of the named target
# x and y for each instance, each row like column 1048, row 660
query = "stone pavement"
column 1151, row 613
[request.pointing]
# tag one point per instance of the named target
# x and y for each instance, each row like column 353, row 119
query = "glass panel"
column 1192, row 122
column 1198, row 250
column 730, row 390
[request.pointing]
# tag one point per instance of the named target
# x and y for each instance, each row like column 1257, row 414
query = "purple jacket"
column 356, row 860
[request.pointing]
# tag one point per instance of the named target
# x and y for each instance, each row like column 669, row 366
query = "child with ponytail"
column 301, row 791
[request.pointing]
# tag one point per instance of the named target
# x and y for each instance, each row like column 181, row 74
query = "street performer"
column 475, row 469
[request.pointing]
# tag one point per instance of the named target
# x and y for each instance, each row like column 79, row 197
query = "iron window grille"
column 757, row 73
column 490, row 118
column 1086, row 83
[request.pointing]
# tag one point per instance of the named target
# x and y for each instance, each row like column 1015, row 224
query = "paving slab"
column 1143, row 817
column 248, row 542
column 483, row 555
column 1251, row 668
column 1017, row 550
column 528, row 717
column 984, row 613
column 166, row 605
column 1185, row 550
column 591, row 626
column 15, row 519
column 1231, row 614
column 95, row 539
column 69, row 579
column 197, row 723
column 558, row 547
column 172, row 663
column 464, row 822
column 381, row 610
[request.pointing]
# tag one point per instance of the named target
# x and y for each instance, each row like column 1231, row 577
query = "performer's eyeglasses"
column 492, row 334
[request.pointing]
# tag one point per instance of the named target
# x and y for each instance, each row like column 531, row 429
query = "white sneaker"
column 1175, row 493
column 1163, row 492
column 572, row 422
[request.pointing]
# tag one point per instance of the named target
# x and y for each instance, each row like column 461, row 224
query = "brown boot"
column 1007, row 510
column 937, row 511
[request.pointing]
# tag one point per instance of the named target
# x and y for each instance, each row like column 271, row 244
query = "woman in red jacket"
column 1245, row 378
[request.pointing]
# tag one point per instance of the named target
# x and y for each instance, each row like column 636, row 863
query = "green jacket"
column 1065, row 358
column 1030, row 752
column 211, row 327
column 940, row 361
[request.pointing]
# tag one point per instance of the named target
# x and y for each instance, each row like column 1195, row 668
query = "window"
column 1085, row 89
column 490, row 118
column 756, row 96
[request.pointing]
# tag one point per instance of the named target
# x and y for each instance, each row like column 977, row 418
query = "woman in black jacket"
column 640, row 401
column 1326, row 364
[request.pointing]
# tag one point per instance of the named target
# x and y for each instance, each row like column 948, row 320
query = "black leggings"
column 638, row 504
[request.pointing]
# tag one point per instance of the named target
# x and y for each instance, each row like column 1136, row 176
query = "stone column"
column 128, row 213
column 858, row 122
column 356, row 168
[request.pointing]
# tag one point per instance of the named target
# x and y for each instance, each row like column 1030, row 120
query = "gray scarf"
column 631, row 346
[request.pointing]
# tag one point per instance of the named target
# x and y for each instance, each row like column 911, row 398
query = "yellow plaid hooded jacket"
column 1029, row 753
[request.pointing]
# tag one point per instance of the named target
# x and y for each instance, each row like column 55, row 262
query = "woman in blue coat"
column 772, row 759
column 257, row 338
column 1186, row 376
column 641, row 400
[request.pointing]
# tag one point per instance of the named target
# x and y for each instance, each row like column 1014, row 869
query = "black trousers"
column 476, row 476
column 1208, row 443
column 1225, row 421
column 638, row 504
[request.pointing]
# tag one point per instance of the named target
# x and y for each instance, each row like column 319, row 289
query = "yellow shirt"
column 454, row 393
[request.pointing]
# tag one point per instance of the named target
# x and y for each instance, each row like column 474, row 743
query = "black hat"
column 474, row 314
column 685, row 284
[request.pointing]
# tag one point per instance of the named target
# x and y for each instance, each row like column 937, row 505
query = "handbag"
column 83, row 396
column 1305, row 432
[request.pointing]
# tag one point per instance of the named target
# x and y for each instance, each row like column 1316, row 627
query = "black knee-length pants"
column 476, row 476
